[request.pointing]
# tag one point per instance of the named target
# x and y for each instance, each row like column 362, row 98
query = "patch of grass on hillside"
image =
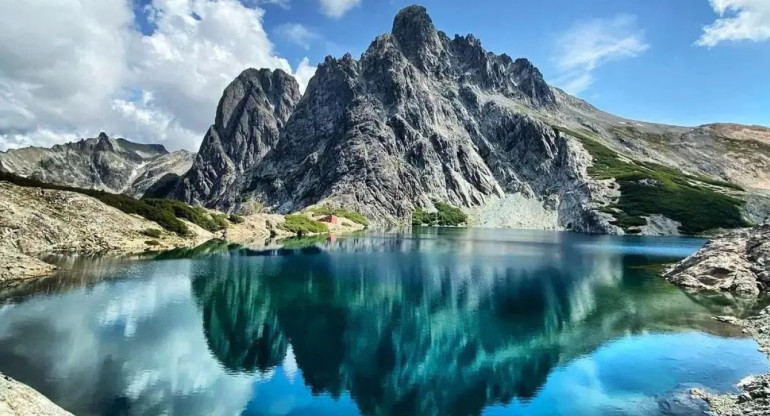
column 343, row 213
column 196, row 215
column 649, row 188
column 445, row 215
column 166, row 213
column 304, row 225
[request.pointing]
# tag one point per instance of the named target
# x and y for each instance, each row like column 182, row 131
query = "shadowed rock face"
column 250, row 116
column 109, row 164
column 421, row 117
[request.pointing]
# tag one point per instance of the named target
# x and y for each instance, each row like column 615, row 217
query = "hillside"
column 102, row 163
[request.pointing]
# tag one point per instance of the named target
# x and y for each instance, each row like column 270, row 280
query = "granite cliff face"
column 109, row 164
column 250, row 116
column 420, row 117
column 423, row 117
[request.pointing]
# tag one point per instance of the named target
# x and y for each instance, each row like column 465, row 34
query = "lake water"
column 439, row 322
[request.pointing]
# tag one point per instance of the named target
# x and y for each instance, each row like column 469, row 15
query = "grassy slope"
column 342, row 213
column 166, row 213
column 303, row 225
column 697, row 202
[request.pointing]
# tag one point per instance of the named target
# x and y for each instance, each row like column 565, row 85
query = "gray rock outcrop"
column 737, row 262
column 108, row 164
column 250, row 116
column 17, row 399
column 421, row 117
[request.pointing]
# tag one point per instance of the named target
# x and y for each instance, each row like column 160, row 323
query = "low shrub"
column 152, row 243
column 237, row 219
column 303, row 225
column 445, row 215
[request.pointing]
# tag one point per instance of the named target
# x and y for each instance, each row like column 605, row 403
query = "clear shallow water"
column 442, row 322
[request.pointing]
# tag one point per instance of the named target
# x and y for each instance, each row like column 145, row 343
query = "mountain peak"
column 414, row 31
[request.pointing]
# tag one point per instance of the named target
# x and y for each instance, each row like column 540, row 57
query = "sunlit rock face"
column 448, row 334
column 105, row 163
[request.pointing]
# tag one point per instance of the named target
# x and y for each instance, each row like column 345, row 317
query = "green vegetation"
column 341, row 212
column 152, row 233
column 165, row 212
column 445, row 215
column 237, row 219
column 303, row 225
column 197, row 215
column 152, row 243
column 698, row 203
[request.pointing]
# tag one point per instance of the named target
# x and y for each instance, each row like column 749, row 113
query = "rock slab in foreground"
column 737, row 262
column 17, row 399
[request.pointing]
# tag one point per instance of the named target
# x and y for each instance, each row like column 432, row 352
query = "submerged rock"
column 737, row 262
column 754, row 396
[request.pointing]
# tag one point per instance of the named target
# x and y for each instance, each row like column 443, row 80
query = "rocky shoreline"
column 17, row 399
column 754, row 396
column 737, row 265
column 737, row 262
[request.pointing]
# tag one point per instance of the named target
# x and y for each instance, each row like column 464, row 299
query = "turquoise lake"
column 435, row 322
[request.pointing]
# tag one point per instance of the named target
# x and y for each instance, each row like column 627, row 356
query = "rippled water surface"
column 439, row 322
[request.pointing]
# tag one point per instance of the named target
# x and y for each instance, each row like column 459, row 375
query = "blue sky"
column 153, row 70
column 672, row 81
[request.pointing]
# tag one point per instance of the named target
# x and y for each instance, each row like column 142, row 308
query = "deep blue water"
column 440, row 322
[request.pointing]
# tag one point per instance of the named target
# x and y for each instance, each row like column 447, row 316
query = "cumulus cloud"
column 587, row 46
column 72, row 69
column 304, row 72
column 337, row 8
column 298, row 34
column 739, row 20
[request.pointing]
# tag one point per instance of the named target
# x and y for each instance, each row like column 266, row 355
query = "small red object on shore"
column 331, row 219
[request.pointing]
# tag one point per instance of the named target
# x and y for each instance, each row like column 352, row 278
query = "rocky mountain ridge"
column 421, row 117
column 110, row 164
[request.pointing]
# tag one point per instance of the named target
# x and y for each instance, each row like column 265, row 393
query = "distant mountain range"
column 108, row 164
column 421, row 117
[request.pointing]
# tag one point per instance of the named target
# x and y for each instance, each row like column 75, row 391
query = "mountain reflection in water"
column 442, row 322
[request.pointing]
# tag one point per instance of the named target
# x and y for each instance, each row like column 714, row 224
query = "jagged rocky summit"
column 422, row 117
column 109, row 164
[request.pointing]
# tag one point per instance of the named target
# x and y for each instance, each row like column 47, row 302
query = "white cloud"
column 588, row 45
column 72, row 69
column 297, row 34
column 739, row 20
column 286, row 4
column 304, row 72
column 337, row 8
